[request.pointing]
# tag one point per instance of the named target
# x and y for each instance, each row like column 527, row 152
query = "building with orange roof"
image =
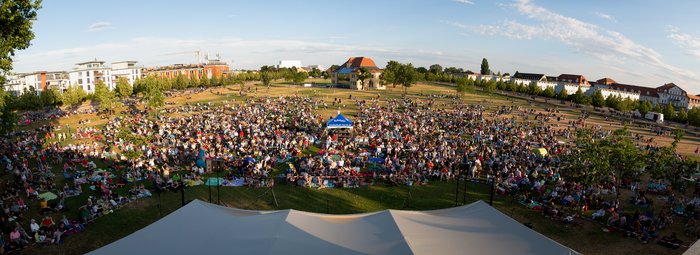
column 346, row 75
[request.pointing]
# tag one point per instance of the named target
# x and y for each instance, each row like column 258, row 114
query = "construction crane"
column 198, row 55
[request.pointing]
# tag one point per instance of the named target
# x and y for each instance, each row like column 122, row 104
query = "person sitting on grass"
column 44, row 204
column 47, row 222
column 17, row 239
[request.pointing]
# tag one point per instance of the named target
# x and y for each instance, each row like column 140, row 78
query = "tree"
column 266, row 78
column 644, row 107
column 563, row 94
column 125, row 90
column 548, row 92
column 489, row 86
column 657, row 108
column 74, row 95
column 464, row 86
column 533, row 89
column 389, row 74
column 597, row 99
column 16, row 20
column 669, row 112
column 406, row 76
column 613, row 102
column 485, row 67
column 363, row 75
column 682, row 116
column 435, row 69
column 580, row 98
column 49, row 97
column 101, row 90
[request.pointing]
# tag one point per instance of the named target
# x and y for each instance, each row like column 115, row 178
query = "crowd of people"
column 392, row 142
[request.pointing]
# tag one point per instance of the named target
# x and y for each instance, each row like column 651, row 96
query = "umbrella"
column 250, row 160
column 48, row 196
column 214, row 182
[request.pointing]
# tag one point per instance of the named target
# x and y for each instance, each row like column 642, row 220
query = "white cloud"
column 99, row 26
column 463, row 1
column 247, row 53
column 688, row 42
column 605, row 16
column 603, row 44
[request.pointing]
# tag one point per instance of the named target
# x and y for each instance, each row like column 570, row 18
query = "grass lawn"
column 587, row 238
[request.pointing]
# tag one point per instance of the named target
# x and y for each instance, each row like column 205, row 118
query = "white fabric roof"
column 203, row 228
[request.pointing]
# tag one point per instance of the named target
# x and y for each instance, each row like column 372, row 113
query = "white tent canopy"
column 203, row 228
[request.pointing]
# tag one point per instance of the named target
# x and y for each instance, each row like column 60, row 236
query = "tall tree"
column 435, row 69
column 266, row 78
column 16, row 20
column 485, row 67
column 389, row 74
column 549, row 92
column 406, row 76
column 563, row 94
column 597, row 99
column 362, row 75
column 669, row 112
column 74, row 95
column 124, row 89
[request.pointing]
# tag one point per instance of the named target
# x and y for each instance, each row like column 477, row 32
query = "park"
column 313, row 106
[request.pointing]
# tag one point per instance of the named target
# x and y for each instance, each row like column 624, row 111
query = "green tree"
column 266, row 78
column 613, row 101
column 435, row 69
column 548, row 92
column 363, row 75
column 389, row 74
column 533, row 89
column 101, row 90
column 204, row 81
column 124, row 89
column 485, row 67
column 643, row 107
column 694, row 116
column 489, row 86
column 16, row 20
column 669, row 112
column 682, row 116
column 597, row 99
column 74, row 95
column 657, row 108
column 580, row 98
column 406, row 76
column 563, row 94
column 464, row 86
column 49, row 97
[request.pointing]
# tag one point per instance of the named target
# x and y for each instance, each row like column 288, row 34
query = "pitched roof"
column 528, row 76
column 668, row 86
column 694, row 97
column 606, row 81
column 644, row 91
column 577, row 78
column 358, row 62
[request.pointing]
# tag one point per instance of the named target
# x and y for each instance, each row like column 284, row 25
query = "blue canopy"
column 339, row 121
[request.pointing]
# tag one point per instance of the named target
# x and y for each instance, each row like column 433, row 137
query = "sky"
column 641, row 42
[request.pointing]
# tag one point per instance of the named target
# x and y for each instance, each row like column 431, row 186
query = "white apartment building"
column 126, row 69
column 289, row 64
column 40, row 81
column 87, row 74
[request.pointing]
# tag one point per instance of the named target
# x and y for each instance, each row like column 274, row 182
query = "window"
column 88, row 87
column 87, row 80
column 80, row 81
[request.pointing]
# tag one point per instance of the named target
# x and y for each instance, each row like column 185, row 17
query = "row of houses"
column 669, row 93
column 87, row 74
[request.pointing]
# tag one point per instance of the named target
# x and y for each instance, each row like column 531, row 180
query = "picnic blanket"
column 48, row 196
column 214, row 181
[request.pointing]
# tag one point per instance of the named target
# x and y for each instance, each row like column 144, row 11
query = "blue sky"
column 641, row 42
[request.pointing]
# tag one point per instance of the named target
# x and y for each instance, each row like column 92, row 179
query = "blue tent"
column 339, row 121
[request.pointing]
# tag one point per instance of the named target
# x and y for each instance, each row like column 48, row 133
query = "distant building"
column 87, row 74
column 125, row 69
column 608, row 87
column 346, row 74
column 312, row 67
column 672, row 94
column 212, row 68
column 289, row 64
column 40, row 81
column 540, row 79
column 572, row 83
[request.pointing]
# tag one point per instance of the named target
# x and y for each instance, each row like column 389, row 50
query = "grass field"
column 587, row 238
